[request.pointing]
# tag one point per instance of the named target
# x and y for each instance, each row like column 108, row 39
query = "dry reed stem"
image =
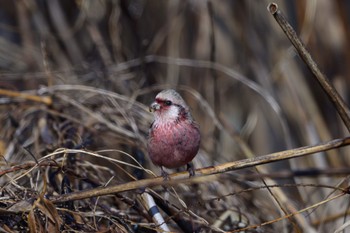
column 183, row 176
column 327, row 86
column 41, row 99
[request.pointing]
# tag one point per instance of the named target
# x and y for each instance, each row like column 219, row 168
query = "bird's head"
column 169, row 107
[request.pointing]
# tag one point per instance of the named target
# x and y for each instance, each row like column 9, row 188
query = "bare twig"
column 327, row 86
column 183, row 176
column 41, row 99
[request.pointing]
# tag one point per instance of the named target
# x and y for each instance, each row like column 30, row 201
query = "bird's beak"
column 154, row 107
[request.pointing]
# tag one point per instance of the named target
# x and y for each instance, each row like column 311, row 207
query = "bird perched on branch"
column 174, row 136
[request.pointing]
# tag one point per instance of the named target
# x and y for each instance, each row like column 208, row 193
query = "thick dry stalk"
column 200, row 173
column 327, row 86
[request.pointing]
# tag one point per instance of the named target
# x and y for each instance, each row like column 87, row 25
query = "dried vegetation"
column 75, row 81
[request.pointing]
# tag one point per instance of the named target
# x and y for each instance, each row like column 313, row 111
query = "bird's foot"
column 165, row 175
column 190, row 169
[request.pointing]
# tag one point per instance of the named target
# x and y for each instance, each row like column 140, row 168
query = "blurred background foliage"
column 102, row 62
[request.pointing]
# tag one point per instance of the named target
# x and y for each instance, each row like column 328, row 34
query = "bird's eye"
column 168, row 103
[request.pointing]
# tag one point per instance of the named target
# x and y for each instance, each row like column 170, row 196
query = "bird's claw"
column 190, row 169
column 165, row 175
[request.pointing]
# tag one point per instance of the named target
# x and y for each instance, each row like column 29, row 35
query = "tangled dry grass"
column 75, row 83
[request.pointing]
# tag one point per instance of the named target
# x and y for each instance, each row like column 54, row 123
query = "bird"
column 174, row 136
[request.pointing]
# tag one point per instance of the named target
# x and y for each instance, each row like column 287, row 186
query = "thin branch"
column 327, row 86
column 203, row 172
column 41, row 99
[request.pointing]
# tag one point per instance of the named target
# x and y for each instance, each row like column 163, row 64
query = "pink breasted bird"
column 174, row 136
